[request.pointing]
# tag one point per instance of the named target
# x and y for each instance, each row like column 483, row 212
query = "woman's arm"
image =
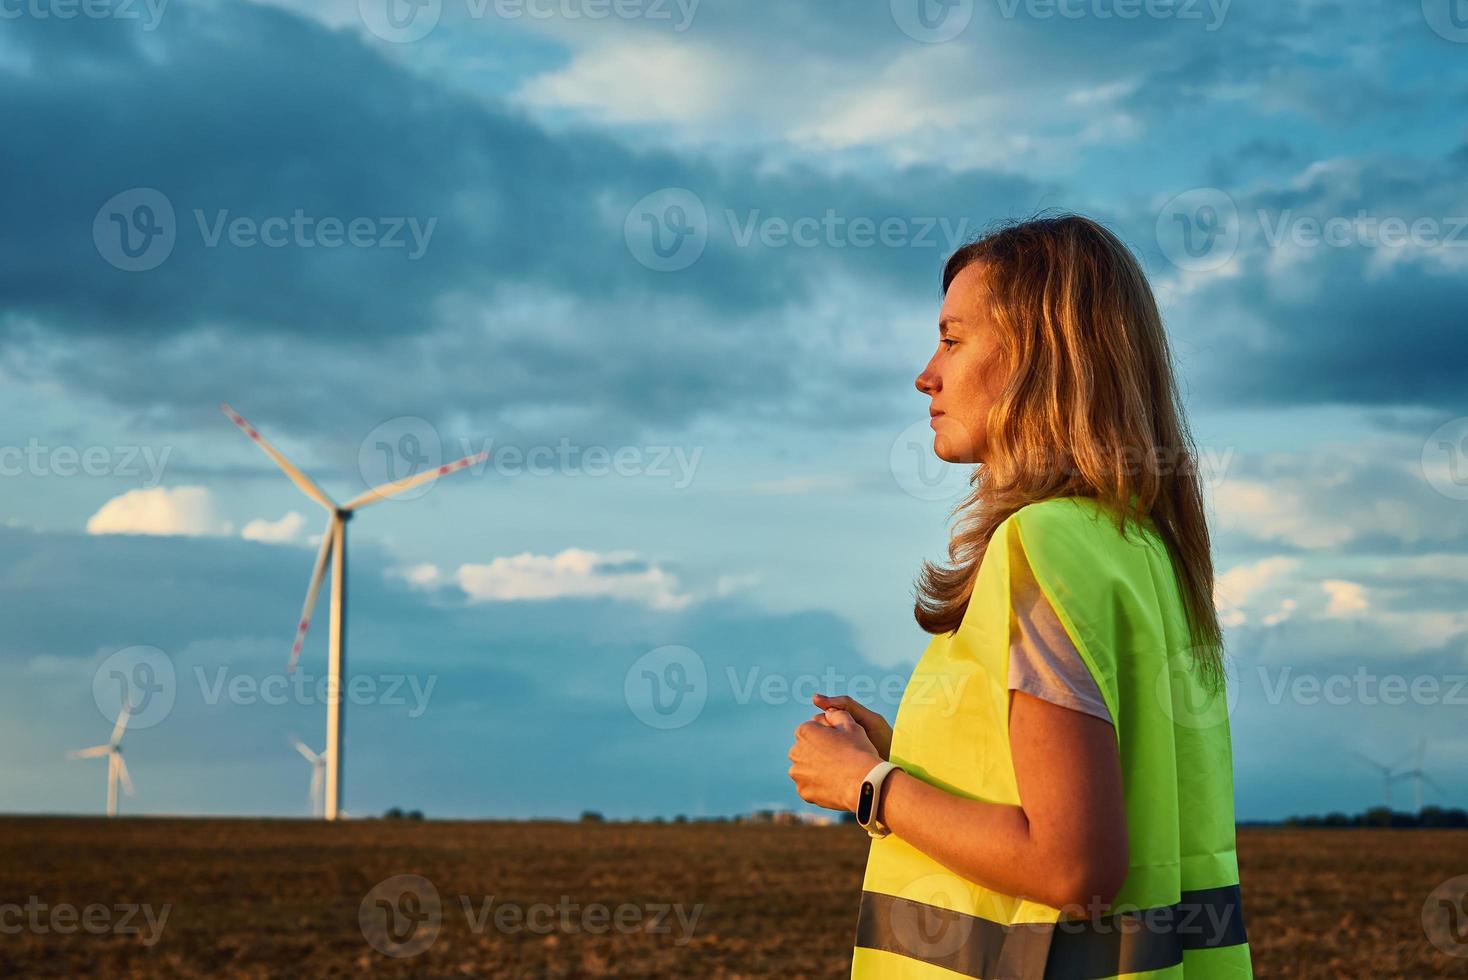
column 1065, row 845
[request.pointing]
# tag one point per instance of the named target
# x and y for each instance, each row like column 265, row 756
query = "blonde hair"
column 1090, row 395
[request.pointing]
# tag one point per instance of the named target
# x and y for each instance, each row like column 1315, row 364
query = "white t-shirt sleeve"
column 1043, row 662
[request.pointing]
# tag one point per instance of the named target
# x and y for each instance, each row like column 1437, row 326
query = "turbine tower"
column 116, row 768
column 334, row 546
column 1389, row 774
column 318, row 765
column 1419, row 775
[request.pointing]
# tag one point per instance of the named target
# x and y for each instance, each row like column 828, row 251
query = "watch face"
column 864, row 804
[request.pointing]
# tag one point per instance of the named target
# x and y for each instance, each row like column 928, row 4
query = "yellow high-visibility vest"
column 1178, row 914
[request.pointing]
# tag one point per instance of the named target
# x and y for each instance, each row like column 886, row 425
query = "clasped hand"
column 834, row 750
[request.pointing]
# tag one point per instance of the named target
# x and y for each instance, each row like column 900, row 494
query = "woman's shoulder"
column 1077, row 521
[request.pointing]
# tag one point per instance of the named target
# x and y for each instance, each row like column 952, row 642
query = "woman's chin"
column 951, row 450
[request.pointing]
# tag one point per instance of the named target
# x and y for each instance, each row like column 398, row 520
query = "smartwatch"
column 869, row 801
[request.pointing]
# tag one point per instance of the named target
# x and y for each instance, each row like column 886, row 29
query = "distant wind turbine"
column 318, row 764
column 116, row 768
column 1389, row 774
column 334, row 546
column 1419, row 775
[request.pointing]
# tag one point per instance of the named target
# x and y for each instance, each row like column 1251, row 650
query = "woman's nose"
column 928, row 382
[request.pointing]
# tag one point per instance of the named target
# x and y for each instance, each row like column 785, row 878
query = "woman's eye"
column 949, row 341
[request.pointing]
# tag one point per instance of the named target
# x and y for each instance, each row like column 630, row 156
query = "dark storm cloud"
column 1352, row 290
column 247, row 112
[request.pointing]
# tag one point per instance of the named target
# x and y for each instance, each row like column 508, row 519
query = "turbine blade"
column 300, row 479
column 1370, row 762
column 122, row 719
column 398, row 486
column 127, row 782
column 95, row 752
column 312, row 590
column 301, row 748
column 315, row 788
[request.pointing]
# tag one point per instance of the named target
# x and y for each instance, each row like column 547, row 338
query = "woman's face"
column 966, row 374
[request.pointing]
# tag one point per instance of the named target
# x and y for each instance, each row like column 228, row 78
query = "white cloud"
column 425, row 576
column 1346, row 598
column 284, row 531
column 1234, row 591
column 635, row 81
column 187, row 511
column 573, row 572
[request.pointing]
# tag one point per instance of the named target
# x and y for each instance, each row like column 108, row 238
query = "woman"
column 1062, row 799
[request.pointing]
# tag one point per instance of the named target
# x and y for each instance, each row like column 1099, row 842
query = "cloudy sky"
column 673, row 266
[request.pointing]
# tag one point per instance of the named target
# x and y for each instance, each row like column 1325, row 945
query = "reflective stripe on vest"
column 1178, row 913
column 1119, row 943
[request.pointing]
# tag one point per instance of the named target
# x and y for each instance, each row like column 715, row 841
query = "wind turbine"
column 318, row 764
column 1389, row 773
column 1419, row 775
column 334, row 546
column 116, row 768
